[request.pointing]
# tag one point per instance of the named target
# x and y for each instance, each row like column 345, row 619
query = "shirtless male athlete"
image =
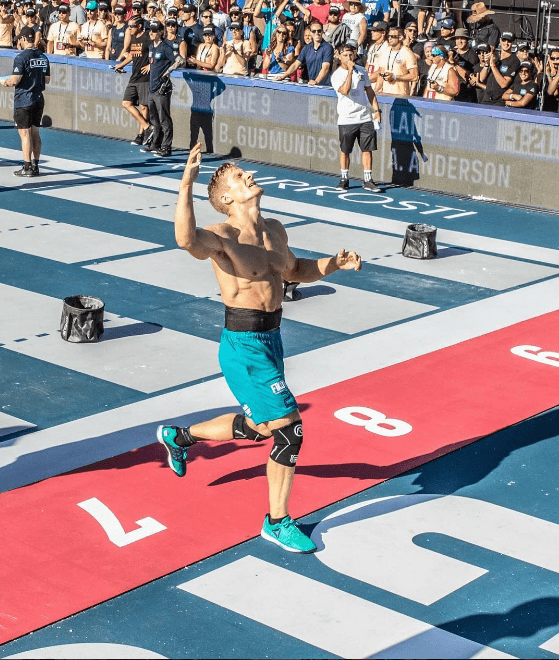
column 251, row 258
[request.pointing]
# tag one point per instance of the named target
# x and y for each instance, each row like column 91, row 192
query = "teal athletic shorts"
column 252, row 363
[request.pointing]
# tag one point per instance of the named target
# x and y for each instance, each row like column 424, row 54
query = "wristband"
column 441, row 88
column 395, row 77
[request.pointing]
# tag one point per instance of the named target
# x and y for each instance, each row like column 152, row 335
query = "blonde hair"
column 215, row 185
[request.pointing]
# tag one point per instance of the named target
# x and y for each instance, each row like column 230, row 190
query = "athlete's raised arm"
column 200, row 243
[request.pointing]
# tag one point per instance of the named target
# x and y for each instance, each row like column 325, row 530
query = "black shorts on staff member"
column 365, row 134
column 137, row 93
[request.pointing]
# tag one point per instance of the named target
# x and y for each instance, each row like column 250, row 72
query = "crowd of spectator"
column 407, row 47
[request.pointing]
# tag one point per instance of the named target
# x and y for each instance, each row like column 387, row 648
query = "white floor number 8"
column 373, row 421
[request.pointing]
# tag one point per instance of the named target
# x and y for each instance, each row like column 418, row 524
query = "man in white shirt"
column 357, row 108
column 94, row 34
column 62, row 38
column 398, row 67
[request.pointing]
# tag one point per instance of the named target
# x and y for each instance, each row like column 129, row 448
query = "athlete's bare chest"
column 255, row 256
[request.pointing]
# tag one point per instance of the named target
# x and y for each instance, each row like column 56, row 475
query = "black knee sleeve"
column 242, row 430
column 287, row 443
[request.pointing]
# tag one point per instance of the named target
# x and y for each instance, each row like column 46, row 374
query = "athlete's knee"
column 287, row 444
column 241, row 429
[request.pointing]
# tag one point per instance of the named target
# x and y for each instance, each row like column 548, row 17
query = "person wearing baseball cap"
column 377, row 49
column 524, row 90
column 410, row 39
column 332, row 25
column 30, row 74
column 161, row 59
column 357, row 109
column 94, row 34
column 117, row 36
column 500, row 73
column 192, row 35
column 32, row 21
column 62, row 38
column 523, row 50
column 447, row 34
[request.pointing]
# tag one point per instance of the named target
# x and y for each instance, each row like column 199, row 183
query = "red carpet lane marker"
column 63, row 548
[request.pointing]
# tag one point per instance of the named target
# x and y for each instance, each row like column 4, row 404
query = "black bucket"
column 420, row 242
column 290, row 293
column 82, row 319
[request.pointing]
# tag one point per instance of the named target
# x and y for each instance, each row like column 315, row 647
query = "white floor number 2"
column 114, row 530
column 373, row 421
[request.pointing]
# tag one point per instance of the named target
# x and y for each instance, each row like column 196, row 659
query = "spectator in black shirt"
column 30, row 74
column 49, row 15
column 161, row 59
column 115, row 44
column 410, row 39
column 192, row 35
column 136, row 95
column 171, row 35
column 447, row 34
column 501, row 72
column 483, row 52
column 551, row 94
column 484, row 30
column 524, row 90
column 464, row 59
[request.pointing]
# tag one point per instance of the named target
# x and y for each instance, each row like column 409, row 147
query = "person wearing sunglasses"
column 524, row 90
column 249, row 34
column 206, row 21
column 171, row 35
column 410, row 39
column 62, row 38
column 161, row 61
column 117, row 35
column 207, row 55
column 136, row 95
column 356, row 20
column 104, row 14
column 317, row 56
column 398, row 72
column 551, row 93
column 501, row 71
column 192, row 35
column 280, row 54
column 378, row 48
column 235, row 53
column 94, row 34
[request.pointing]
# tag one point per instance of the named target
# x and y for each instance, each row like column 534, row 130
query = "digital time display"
column 524, row 139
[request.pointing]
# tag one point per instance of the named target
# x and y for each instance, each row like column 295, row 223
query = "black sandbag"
column 420, row 242
column 82, row 319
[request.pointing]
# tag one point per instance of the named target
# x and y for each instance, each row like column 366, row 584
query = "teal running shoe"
column 287, row 535
column 167, row 435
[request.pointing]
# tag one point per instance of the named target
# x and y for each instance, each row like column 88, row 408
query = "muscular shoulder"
column 276, row 227
column 223, row 230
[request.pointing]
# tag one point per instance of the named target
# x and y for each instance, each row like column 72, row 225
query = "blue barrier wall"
column 496, row 153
